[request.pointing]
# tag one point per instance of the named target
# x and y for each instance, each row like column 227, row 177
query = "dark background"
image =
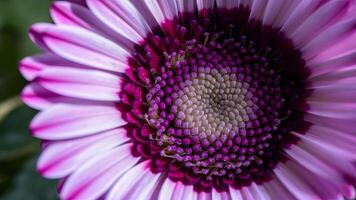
column 18, row 149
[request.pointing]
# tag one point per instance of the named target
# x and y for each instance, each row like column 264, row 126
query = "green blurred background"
column 18, row 150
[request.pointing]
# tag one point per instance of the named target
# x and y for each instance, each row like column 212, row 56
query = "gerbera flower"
column 196, row 99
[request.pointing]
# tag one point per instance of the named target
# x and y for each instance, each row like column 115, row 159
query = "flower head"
column 192, row 99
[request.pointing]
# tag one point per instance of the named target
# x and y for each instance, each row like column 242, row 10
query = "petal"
column 344, row 61
column 317, row 21
column 246, row 193
column 40, row 98
column 139, row 183
column 337, row 93
column 235, row 194
column 328, row 38
column 331, row 109
column 185, row 6
column 220, row 195
column 205, row 196
column 344, row 46
column 205, row 4
column 294, row 183
column 257, row 9
column 329, row 78
column 167, row 190
column 169, row 9
column 70, row 121
column 121, row 17
column 61, row 158
column 259, row 192
column 286, row 9
column 339, row 145
column 82, row 46
column 300, row 13
column 36, row 34
column 277, row 191
column 339, row 162
column 228, row 4
column 178, row 191
column 310, row 162
column 302, row 182
column 79, row 83
column 343, row 125
column 30, row 67
column 155, row 10
column 96, row 176
column 273, row 8
column 189, row 193
column 67, row 13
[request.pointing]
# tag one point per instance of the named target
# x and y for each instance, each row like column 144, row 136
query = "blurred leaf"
column 18, row 149
column 8, row 105
column 18, row 152
column 13, row 144
column 14, row 130
column 30, row 186
column 16, row 16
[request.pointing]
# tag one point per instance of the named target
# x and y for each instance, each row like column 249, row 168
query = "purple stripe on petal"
column 64, row 121
column 95, row 177
column 61, row 158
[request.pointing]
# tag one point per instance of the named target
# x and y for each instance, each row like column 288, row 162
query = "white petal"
column 178, row 192
column 189, row 193
column 295, row 184
column 40, row 98
column 185, row 5
column 301, row 12
column 167, row 190
column 235, row 194
column 139, row 183
column 169, row 8
column 205, row 4
column 316, row 22
column 277, row 191
column 259, row 192
column 96, row 176
column 322, row 66
column 328, row 38
column 85, row 47
column 79, row 83
column 257, row 9
column 70, row 121
column 220, row 195
column 61, row 158
column 273, row 8
column 118, row 16
column 155, row 10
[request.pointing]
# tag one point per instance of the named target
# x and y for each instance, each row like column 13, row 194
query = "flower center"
column 212, row 110
column 212, row 104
